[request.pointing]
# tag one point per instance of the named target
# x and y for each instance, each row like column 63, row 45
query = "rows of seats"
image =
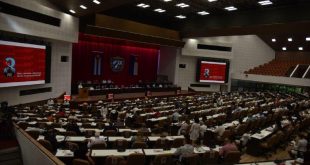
column 212, row 112
column 275, row 68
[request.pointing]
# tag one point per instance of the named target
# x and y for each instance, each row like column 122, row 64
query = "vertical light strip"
column 294, row 70
column 303, row 76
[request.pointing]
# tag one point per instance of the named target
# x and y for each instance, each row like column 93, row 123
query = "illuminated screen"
column 212, row 71
column 22, row 64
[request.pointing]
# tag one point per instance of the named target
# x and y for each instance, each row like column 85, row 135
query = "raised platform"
column 123, row 96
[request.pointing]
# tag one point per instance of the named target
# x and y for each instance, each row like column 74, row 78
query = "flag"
column 97, row 71
column 133, row 65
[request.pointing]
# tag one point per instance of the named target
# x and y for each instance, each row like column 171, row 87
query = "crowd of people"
column 193, row 117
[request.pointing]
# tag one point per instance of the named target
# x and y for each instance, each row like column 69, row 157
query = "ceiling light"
column 181, row 16
column 212, row 0
column 300, row 48
column 167, row 0
column 83, row 7
column 308, row 39
column 273, row 40
column 182, row 5
column 203, row 13
column 97, row 2
column 265, row 2
column 230, row 8
column 159, row 10
column 72, row 11
column 284, row 48
column 290, row 39
column 143, row 5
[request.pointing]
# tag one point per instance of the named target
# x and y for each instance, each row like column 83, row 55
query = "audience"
column 229, row 145
column 184, row 150
column 184, row 128
column 97, row 140
column 194, row 131
column 300, row 146
column 251, row 113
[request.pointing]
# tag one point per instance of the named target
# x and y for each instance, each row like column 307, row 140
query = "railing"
column 32, row 151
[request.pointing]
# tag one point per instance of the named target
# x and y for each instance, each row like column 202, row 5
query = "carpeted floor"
column 8, row 143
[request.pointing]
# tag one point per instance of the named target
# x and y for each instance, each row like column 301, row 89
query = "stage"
column 131, row 95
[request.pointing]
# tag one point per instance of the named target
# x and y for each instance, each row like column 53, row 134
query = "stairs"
column 11, row 156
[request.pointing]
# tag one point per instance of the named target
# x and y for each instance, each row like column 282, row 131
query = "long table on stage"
column 128, row 93
column 97, row 92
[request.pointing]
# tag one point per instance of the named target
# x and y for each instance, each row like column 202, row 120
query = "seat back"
column 162, row 160
column 190, row 159
column 80, row 162
column 46, row 144
column 99, row 146
column 113, row 160
column 121, row 144
column 70, row 133
column 34, row 134
column 110, row 133
column 232, row 157
column 137, row 145
column 135, row 159
column 162, row 143
column 211, row 157
column 178, row 142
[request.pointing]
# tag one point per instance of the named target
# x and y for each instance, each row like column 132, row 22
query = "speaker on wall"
column 182, row 65
column 64, row 59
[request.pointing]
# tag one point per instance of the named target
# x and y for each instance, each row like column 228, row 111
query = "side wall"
column 247, row 51
column 167, row 62
column 61, row 39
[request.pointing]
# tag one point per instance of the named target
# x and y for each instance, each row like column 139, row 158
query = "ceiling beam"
column 273, row 20
column 66, row 5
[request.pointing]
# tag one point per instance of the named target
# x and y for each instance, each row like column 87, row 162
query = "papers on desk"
column 261, row 135
column 64, row 153
column 110, row 152
column 158, row 119
column 114, row 138
column 154, row 152
column 91, row 129
column 129, row 130
column 60, row 129
column 32, row 123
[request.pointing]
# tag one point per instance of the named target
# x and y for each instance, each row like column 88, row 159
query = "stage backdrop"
column 92, row 55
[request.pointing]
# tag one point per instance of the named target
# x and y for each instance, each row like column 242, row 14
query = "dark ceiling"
column 128, row 9
column 277, row 42
column 280, row 20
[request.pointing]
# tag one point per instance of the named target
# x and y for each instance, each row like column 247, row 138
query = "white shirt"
column 220, row 130
column 203, row 129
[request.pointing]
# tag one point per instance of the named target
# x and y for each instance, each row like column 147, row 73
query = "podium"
column 83, row 93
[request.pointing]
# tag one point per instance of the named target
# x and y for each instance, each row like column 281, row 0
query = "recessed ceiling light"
column 212, row 0
column 273, row 40
column 83, row 7
column 159, row 10
column 167, row 0
column 308, row 39
column 290, row 39
column 182, row 5
column 97, row 2
column 181, row 16
column 230, row 8
column 143, row 5
column 300, row 48
column 203, row 13
column 265, row 2
column 72, row 11
column 284, row 48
